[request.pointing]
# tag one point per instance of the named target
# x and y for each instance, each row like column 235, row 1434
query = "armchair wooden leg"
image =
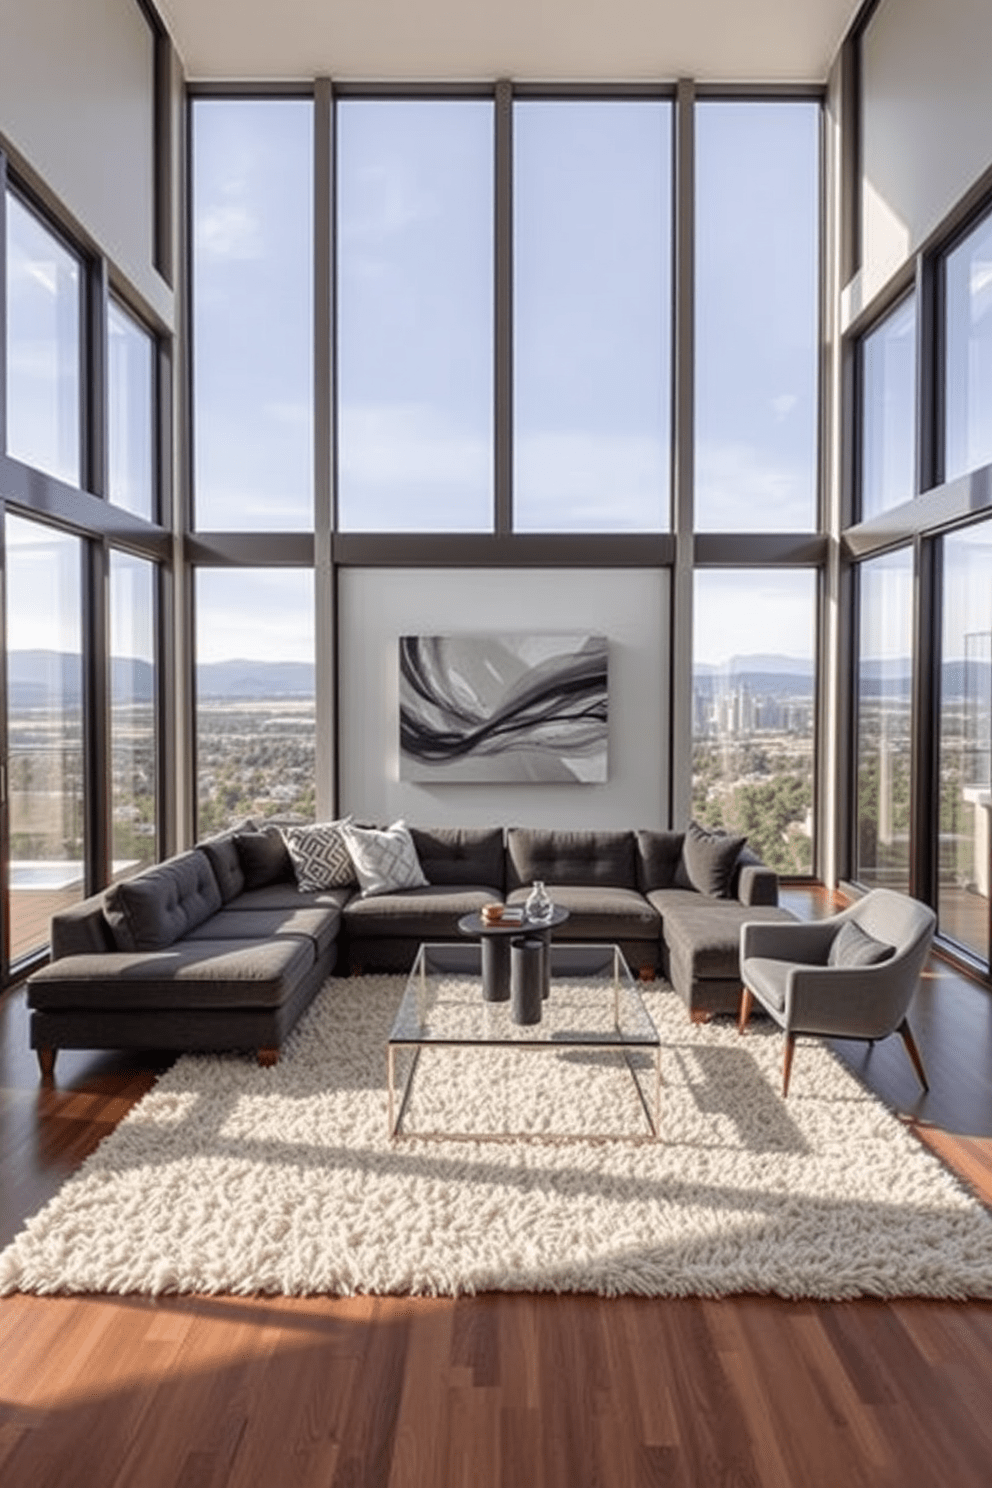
column 790, row 1049
column 699, row 1015
column 46, row 1061
column 747, row 1003
column 904, row 1031
column 268, row 1057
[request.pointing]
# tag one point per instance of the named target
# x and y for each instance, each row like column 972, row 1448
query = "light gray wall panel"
column 631, row 608
column 76, row 88
column 927, row 126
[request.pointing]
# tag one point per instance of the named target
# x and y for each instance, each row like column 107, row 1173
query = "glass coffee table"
column 593, row 1005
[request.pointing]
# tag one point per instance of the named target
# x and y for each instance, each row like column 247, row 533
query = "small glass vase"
column 539, row 906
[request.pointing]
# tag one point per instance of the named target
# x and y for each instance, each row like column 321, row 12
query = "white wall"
column 927, row 124
column 630, row 607
column 76, row 87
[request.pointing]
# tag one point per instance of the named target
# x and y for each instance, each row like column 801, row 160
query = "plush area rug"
column 232, row 1178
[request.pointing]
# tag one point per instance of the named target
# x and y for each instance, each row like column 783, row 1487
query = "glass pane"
column 754, row 694
column 415, row 315
column 43, row 347
column 888, row 411
column 965, row 736
column 885, row 677
column 130, row 400
column 969, row 354
column 44, row 718
column 132, row 714
column 253, row 314
column 592, row 316
column 757, row 317
column 255, row 716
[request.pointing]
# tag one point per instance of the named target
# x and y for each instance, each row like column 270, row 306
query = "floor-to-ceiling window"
column 255, row 724
column 888, row 411
column 884, row 713
column 44, row 727
column 252, row 296
column 965, row 861
column 43, row 346
column 592, row 258
column 754, row 709
column 133, row 723
column 757, row 316
column 415, row 314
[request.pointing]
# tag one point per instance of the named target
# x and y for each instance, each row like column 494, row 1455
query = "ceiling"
column 544, row 40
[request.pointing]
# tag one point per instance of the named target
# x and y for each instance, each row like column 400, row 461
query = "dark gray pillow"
column 263, row 857
column 150, row 912
column 852, row 946
column 709, row 858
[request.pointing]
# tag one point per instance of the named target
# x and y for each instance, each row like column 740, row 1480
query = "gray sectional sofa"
column 218, row 949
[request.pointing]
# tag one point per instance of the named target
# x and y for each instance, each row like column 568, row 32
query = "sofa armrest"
column 757, row 884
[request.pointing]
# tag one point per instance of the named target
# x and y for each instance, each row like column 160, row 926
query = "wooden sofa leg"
column 747, row 1003
column 268, row 1057
column 699, row 1015
column 46, row 1060
column 904, row 1032
column 646, row 974
column 790, row 1049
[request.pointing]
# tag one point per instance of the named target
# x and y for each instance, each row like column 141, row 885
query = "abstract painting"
column 493, row 708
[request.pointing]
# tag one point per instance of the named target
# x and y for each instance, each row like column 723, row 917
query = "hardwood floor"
column 516, row 1391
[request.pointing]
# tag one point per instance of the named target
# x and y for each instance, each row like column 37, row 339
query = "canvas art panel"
column 504, row 708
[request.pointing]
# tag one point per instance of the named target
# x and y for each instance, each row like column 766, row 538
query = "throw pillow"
column 263, row 857
column 710, row 858
column 384, row 861
column 320, row 855
column 852, row 946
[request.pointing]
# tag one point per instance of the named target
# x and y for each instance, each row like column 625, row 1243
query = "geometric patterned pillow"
column 320, row 855
column 383, row 861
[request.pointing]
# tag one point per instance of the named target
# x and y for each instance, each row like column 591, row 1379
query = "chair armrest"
column 850, row 1001
column 757, row 884
column 788, row 940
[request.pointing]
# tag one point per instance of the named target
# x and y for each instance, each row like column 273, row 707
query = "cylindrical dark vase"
column 496, row 968
column 526, row 980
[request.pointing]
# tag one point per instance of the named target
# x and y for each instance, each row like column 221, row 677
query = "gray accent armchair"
column 785, row 967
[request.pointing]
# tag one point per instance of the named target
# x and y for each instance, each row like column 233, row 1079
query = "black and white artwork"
column 492, row 708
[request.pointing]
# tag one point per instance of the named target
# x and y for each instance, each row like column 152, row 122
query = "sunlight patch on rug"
column 231, row 1178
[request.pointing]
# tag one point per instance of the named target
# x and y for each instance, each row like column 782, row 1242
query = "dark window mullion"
column 503, row 308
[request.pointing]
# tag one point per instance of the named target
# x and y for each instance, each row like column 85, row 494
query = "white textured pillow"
column 320, row 855
column 383, row 861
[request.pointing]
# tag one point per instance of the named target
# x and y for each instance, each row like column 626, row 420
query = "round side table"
column 496, row 941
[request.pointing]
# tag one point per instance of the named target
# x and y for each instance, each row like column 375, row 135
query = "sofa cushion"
column 203, row 974
column 385, row 861
column 263, row 858
column 321, row 925
column 658, row 855
column 709, row 858
column 601, row 912
column 460, row 855
column 425, row 913
column 852, row 946
column 224, row 859
column 704, row 935
column 155, row 909
column 592, row 858
column 321, row 859
column 288, row 896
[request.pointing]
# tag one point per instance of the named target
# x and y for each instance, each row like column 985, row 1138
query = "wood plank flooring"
column 497, row 1391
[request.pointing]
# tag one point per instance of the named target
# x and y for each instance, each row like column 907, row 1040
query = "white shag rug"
column 231, row 1178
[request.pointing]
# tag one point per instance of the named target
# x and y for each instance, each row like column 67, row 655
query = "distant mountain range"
column 33, row 677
